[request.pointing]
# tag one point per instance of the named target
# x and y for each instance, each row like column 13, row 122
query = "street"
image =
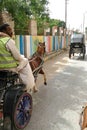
column 58, row 105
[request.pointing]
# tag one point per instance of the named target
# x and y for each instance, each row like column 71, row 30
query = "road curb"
column 52, row 54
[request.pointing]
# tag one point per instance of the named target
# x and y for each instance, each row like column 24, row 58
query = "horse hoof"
column 35, row 90
column 45, row 83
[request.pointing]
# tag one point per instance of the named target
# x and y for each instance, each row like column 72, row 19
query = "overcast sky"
column 75, row 12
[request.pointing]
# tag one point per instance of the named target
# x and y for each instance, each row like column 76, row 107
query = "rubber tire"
column 84, row 51
column 70, row 54
column 20, row 112
column 9, row 101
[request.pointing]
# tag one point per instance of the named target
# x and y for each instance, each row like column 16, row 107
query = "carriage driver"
column 11, row 59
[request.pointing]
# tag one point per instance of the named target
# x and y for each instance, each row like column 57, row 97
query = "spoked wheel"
column 22, row 111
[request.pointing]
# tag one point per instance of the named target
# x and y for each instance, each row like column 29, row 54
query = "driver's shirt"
column 15, row 52
column 24, row 68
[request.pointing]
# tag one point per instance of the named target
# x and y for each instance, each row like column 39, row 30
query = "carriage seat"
column 6, row 75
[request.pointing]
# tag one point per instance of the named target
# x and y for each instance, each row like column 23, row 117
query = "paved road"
column 58, row 105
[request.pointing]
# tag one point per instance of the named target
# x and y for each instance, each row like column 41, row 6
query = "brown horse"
column 83, row 118
column 36, row 61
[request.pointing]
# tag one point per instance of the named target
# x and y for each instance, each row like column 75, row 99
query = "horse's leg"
column 35, row 88
column 84, row 123
column 45, row 81
column 43, row 73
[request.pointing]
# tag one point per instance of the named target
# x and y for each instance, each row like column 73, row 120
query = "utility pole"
column 66, row 14
column 84, row 21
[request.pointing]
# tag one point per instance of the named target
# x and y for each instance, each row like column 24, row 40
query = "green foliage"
column 18, row 10
column 38, row 8
column 40, row 12
column 24, row 10
column 55, row 22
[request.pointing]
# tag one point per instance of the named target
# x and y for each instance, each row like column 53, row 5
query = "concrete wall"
column 27, row 45
column 33, row 27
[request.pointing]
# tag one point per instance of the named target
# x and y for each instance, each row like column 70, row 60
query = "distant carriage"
column 77, row 45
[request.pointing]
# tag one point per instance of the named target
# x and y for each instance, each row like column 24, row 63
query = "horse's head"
column 41, row 48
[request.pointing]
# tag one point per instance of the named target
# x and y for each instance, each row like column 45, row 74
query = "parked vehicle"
column 77, row 45
column 15, row 102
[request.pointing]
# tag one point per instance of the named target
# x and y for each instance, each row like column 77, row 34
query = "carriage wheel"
column 70, row 54
column 83, row 55
column 22, row 111
column 84, row 51
column 73, row 53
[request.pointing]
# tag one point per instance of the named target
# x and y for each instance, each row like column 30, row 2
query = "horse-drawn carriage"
column 15, row 101
column 77, row 45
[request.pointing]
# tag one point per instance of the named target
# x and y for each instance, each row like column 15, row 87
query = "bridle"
column 41, row 46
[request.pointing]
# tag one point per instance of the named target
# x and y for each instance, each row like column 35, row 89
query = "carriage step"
column 1, row 100
column 1, row 105
column 1, row 114
column 1, row 120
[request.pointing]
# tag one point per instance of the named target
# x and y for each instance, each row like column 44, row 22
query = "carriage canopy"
column 77, row 38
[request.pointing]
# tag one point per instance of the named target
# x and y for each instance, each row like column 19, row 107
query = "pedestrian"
column 12, row 60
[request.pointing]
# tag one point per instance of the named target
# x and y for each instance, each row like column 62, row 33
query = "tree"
column 40, row 12
column 19, row 12
column 56, row 22
column 23, row 10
